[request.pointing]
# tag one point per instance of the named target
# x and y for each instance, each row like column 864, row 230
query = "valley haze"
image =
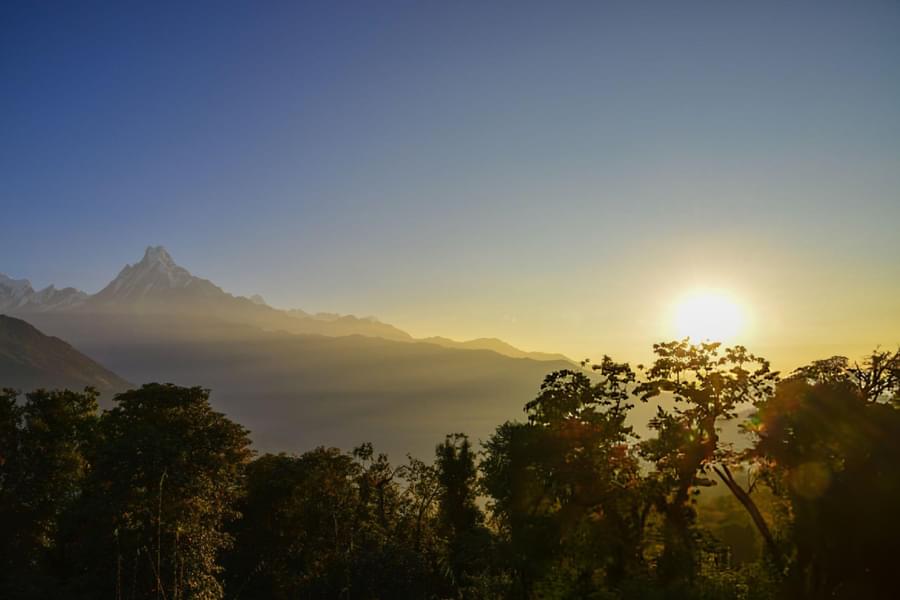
column 296, row 380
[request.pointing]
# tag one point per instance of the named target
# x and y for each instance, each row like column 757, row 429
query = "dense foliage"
column 161, row 497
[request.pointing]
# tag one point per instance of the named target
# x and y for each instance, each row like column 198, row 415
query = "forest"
column 162, row 497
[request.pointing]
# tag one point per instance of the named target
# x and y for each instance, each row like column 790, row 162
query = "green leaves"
column 166, row 476
column 45, row 449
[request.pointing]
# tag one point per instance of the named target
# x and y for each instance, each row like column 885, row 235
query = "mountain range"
column 17, row 295
column 295, row 379
column 157, row 285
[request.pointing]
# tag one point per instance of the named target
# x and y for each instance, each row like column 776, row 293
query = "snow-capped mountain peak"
column 51, row 298
column 14, row 293
column 18, row 295
column 15, row 287
column 155, row 272
column 152, row 282
column 158, row 255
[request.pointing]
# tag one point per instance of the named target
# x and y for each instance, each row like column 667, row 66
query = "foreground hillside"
column 29, row 359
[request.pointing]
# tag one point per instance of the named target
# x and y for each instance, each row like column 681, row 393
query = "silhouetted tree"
column 707, row 386
column 420, row 506
column 167, row 474
column 829, row 440
column 566, row 488
column 460, row 522
column 326, row 524
column 157, row 498
column 43, row 464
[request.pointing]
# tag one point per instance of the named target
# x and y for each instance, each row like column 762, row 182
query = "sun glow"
column 709, row 316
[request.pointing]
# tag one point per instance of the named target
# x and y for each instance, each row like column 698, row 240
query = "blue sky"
column 551, row 173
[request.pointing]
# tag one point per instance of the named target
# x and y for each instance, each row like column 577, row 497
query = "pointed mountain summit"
column 155, row 271
column 154, row 280
column 157, row 285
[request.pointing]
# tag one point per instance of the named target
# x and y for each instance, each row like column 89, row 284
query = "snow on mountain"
column 149, row 281
column 156, row 278
column 156, row 270
column 157, row 285
column 15, row 287
column 18, row 295
column 51, row 298
column 14, row 292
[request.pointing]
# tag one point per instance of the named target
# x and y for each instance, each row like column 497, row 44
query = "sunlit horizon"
column 557, row 179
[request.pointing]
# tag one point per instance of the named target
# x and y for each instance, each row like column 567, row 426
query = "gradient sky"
column 555, row 174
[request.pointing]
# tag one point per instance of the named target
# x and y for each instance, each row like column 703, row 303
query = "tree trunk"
column 744, row 498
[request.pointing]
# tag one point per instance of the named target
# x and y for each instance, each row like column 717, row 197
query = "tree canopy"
column 161, row 497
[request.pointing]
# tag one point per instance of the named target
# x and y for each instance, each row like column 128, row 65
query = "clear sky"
column 555, row 174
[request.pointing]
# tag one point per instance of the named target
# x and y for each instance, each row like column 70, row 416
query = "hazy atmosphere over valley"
column 298, row 380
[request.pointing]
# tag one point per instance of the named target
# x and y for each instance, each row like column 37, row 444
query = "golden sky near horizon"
column 555, row 177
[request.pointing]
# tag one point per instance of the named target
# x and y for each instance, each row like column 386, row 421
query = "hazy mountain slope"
column 272, row 370
column 298, row 391
column 29, row 360
column 494, row 345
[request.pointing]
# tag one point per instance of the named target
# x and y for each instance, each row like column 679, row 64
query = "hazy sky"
column 555, row 174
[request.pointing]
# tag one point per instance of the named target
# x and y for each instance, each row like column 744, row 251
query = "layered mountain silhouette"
column 157, row 285
column 295, row 379
column 18, row 295
column 494, row 345
column 29, row 360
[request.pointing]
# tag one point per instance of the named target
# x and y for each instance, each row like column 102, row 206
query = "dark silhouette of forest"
column 162, row 498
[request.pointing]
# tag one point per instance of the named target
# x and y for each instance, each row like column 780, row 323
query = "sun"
column 706, row 315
